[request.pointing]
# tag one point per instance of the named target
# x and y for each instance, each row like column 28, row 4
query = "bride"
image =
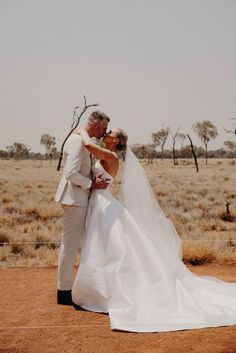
column 130, row 264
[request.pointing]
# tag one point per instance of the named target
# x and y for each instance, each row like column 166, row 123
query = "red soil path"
column 32, row 322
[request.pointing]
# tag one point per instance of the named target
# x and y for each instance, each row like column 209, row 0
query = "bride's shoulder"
column 115, row 156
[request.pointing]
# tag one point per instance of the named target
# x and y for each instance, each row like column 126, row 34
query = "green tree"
column 18, row 151
column 49, row 143
column 144, row 151
column 231, row 146
column 3, row 154
column 159, row 139
column 205, row 131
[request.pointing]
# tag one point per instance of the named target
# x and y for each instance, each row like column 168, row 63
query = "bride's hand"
column 84, row 135
column 99, row 182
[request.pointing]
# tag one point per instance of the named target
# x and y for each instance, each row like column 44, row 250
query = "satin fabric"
column 133, row 278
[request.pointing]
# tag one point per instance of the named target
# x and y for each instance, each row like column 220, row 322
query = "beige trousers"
column 72, row 232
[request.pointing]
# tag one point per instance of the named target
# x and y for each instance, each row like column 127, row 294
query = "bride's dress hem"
column 166, row 328
column 145, row 328
column 93, row 310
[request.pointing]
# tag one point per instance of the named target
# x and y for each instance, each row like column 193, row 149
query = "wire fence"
column 59, row 242
column 29, row 242
column 55, row 245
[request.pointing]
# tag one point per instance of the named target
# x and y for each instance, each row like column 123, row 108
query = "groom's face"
column 100, row 128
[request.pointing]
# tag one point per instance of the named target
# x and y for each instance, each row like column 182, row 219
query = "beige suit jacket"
column 74, row 186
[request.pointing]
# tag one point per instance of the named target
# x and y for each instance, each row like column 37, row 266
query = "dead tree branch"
column 230, row 131
column 76, row 120
column 194, row 154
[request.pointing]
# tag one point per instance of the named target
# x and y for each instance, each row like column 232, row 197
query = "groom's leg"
column 73, row 229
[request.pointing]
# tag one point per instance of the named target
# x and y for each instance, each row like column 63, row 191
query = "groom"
column 73, row 194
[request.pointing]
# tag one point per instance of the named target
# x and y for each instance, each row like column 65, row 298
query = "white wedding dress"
column 131, row 267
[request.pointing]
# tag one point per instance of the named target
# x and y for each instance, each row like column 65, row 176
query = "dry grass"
column 194, row 202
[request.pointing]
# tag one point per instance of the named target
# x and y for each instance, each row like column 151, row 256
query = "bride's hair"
column 123, row 138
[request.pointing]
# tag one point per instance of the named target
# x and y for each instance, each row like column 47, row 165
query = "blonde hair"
column 123, row 138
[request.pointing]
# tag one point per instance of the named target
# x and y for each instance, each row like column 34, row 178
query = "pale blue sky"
column 147, row 62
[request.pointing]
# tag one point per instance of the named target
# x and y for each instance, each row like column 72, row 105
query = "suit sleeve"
column 75, row 155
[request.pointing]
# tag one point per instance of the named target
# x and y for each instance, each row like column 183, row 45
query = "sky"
column 148, row 63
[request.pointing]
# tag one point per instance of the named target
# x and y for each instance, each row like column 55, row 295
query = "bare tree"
column 75, row 123
column 174, row 136
column 159, row 138
column 205, row 131
column 181, row 138
column 193, row 153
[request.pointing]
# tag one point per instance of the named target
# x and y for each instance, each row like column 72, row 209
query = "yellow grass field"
column 30, row 223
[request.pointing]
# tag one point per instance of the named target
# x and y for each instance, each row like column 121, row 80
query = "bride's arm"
column 97, row 151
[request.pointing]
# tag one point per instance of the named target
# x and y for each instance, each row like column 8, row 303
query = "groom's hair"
column 98, row 116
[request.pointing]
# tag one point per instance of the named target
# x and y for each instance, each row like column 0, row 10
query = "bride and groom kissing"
column 130, row 261
column 75, row 186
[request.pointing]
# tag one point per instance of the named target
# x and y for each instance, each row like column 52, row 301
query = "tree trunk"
column 206, row 153
column 194, row 154
column 174, row 157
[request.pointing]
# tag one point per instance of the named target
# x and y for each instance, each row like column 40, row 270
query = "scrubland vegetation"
column 30, row 220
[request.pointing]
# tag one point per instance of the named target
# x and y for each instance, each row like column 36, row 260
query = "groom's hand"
column 99, row 182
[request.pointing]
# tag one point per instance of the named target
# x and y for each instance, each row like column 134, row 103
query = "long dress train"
column 142, row 284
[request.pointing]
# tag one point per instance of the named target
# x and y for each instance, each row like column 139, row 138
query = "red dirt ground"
column 32, row 322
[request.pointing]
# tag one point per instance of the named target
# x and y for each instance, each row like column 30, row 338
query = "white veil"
column 138, row 199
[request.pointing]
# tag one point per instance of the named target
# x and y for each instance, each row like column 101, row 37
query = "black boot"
column 64, row 297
